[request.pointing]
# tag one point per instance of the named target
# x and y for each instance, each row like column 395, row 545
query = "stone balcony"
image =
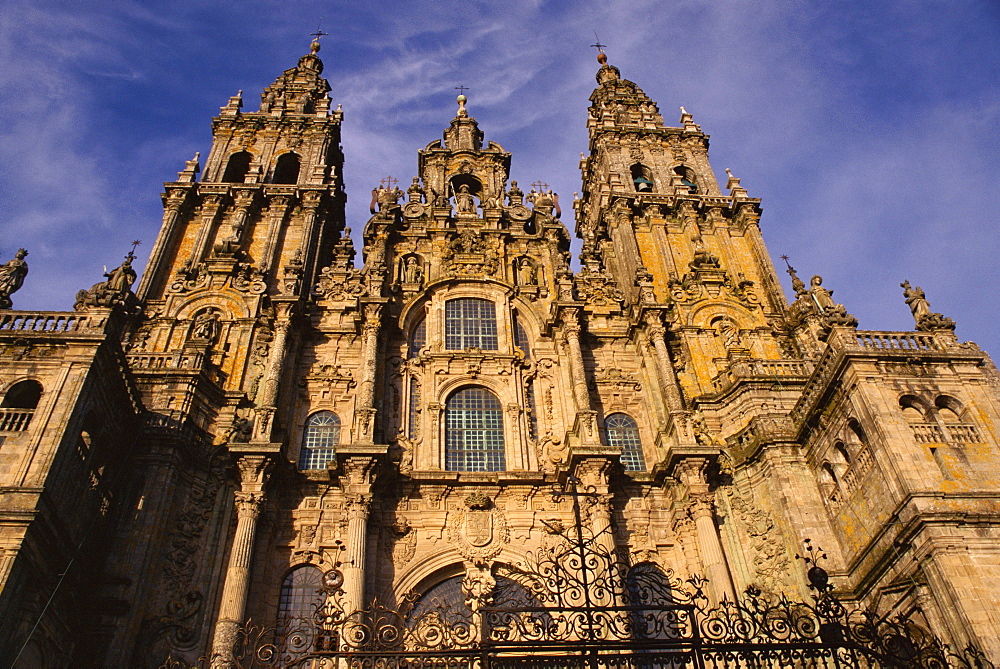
column 15, row 420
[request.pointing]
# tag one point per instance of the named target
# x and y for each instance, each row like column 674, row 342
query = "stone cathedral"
column 264, row 423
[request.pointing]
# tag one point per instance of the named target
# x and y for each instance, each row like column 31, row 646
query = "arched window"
column 320, row 440
column 470, row 322
column 642, row 178
column 474, row 432
column 521, row 337
column 300, row 596
column 621, row 431
column 418, row 338
column 237, row 167
column 687, row 178
column 286, row 169
column 22, row 395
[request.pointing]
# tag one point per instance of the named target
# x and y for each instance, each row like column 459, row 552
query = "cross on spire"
column 319, row 33
column 461, row 89
column 389, row 183
column 598, row 45
column 540, row 185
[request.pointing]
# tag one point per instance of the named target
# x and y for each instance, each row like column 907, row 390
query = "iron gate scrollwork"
column 578, row 603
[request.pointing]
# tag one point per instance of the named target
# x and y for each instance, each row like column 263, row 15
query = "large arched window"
column 237, row 167
column 320, row 440
column 470, row 322
column 286, row 169
column 474, row 432
column 621, row 431
column 22, row 395
column 300, row 596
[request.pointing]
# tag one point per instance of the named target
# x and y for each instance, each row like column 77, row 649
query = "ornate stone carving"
column 770, row 561
column 480, row 532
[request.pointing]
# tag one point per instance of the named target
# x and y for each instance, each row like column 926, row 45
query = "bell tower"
column 652, row 208
column 239, row 250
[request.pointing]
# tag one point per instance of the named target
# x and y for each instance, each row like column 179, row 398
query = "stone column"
column 353, row 567
column 278, row 207
column 359, row 473
column 571, row 330
column 366, row 388
column 211, row 206
column 701, row 509
column 174, row 201
column 656, row 332
column 267, row 398
column 254, row 471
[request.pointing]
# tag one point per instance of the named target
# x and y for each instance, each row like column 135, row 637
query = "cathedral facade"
column 263, row 426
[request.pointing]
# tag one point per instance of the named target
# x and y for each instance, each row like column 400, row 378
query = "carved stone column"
column 656, row 332
column 254, row 471
column 278, row 206
column 174, row 201
column 571, row 330
column 268, row 396
column 701, row 509
column 211, row 206
column 357, row 482
column 366, row 388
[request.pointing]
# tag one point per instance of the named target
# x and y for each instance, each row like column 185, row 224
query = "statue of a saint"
column 412, row 272
column 121, row 278
column 916, row 300
column 526, row 273
column 12, row 277
column 415, row 193
column 464, row 202
column 821, row 297
column 206, row 325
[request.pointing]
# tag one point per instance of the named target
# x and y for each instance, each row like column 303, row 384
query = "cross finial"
column 597, row 45
column 461, row 89
column 540, row 185
column 319, row 33
column 389, row 183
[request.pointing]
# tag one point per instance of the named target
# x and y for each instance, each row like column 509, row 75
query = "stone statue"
column 412, row 272
column 415, row 192
column 116, row 290
column 821, row 297
column 12, row 277
column 206, row 325
column 730, row 333
column 926, row 320
column 464, row 202
column 526, row 273
column 916, row 300
column 515, row 195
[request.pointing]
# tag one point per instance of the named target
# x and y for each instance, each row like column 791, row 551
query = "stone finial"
column 191, row 169
column 687, row 120
column 462, row 111
column 12, row 277
column 925, row 319
column 733, row 185
column 798, row 285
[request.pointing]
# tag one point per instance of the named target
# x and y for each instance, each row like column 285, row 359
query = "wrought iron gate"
column 577, row 603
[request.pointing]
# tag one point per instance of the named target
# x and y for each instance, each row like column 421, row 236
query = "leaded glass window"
column 529, row 397
column 521, row 337
column 621, row 431
column 413, row 423
column 418, row 338
column 474, row 432
column 300, row 596
column 470, row 322
column 321, row 436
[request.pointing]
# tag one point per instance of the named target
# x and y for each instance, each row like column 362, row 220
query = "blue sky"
column 871, row 129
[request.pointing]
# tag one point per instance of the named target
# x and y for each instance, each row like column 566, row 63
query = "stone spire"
column 300, row 90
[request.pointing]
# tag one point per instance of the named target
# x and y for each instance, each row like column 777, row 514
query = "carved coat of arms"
column 479, row 531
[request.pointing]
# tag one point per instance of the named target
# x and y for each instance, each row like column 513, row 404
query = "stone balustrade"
column 15, row 420
column 41, row 322
column 898, row 341
column 153, row 361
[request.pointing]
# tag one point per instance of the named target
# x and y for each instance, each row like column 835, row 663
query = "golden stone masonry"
column 268, row 455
